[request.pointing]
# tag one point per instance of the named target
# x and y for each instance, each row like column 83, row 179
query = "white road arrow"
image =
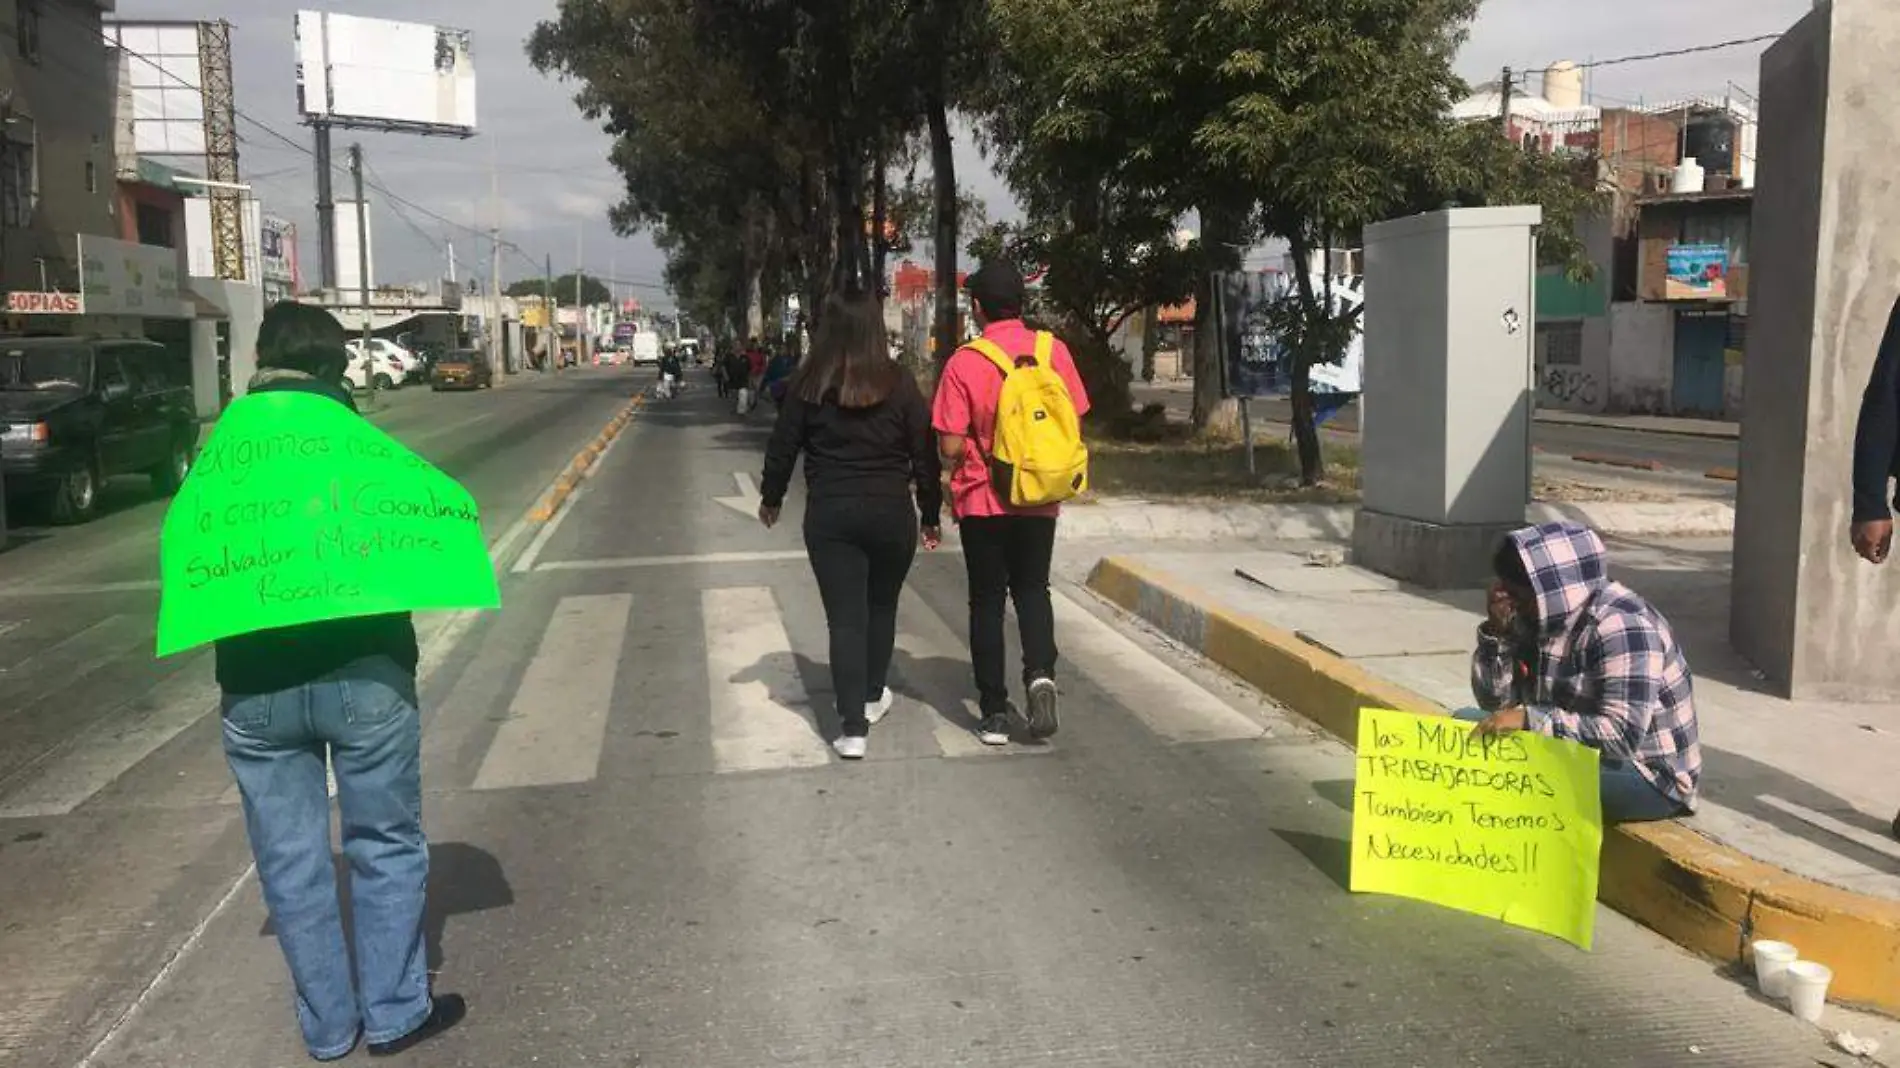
column 747, row 502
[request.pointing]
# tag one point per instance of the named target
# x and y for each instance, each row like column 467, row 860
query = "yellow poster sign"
column 1508, row 826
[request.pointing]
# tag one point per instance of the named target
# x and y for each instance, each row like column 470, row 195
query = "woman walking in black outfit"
column 864, row 428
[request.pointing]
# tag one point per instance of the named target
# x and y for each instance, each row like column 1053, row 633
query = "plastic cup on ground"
column 1807, row 988
column 1771, row 966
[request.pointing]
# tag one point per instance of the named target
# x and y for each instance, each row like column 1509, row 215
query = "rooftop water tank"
column 1690, row 178
column 1563, row 85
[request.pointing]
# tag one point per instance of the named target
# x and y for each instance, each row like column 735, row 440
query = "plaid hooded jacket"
column 1602, row 666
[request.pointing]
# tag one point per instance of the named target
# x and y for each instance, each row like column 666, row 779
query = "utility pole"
column 497, row 356
column 1505, row 87
column 451, row 261
column 580, row 327
column 362, row 266
column 547, row 305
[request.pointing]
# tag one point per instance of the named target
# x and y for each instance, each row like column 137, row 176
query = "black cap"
column 998, row 288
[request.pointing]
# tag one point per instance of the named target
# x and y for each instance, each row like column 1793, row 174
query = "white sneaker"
column 850, row 748
column 876, row 710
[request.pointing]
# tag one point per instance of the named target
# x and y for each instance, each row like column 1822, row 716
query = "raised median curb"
column 1694, row 891
column 1127, row 518
column 577, row 468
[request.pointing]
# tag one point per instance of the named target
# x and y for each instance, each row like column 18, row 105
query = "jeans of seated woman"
column 1625, row 795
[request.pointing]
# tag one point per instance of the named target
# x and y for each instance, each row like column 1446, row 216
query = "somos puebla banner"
column 1256, row 359
column 300, row 511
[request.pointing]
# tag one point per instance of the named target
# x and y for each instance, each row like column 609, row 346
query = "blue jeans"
column 1625, row 795
column 365, row 715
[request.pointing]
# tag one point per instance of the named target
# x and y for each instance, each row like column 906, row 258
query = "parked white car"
column 388, row 365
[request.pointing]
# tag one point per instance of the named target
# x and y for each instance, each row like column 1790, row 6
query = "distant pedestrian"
column 721, row 377
column 345, row 688
column 863, row 426
column 1566, row 652
column 1007, row 548
column 1877, row 456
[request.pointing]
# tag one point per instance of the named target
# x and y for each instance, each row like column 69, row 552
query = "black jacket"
column 1877, row 435
column 271, row 661
column 883, row 451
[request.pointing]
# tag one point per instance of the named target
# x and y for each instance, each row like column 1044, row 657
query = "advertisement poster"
column 1256, row 360
column 1697, row 272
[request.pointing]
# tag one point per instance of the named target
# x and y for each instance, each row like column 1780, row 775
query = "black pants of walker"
column 1007, row 558
column 861, row 551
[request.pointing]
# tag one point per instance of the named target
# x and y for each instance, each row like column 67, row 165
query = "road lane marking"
column 628, row 563
column 1172, row 705
column 558, row 718
column 761, row 716
column 80, row 589
column 95, row 758
column 925, row 638
column 69, row 660
column 748, row 501
column 533, row 553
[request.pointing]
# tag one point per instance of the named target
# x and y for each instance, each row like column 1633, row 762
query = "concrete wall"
column 64, row 106
column 1642, row 362
column 1808, row 613
column 1580, row 387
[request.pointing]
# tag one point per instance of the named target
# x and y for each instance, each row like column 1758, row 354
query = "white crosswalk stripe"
column 558, row 719
column 1169, row 703
column 925, row 635
column 761, row 717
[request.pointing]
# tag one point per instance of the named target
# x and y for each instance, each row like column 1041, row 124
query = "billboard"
column 380, row 74
column 165, row 82
column 1258, row 363
column 201, row 259
column 1697, row 272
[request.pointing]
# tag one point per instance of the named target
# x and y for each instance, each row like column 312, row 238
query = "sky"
column 556, row 186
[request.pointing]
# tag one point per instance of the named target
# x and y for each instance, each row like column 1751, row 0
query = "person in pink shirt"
column 1006, row 550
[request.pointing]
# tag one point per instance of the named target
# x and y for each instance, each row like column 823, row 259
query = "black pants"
column 861, row 551
column 1008, row 557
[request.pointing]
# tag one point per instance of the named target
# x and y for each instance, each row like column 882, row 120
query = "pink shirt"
column 965, row 406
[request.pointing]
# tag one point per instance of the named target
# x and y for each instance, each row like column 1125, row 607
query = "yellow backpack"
column 1038, row 456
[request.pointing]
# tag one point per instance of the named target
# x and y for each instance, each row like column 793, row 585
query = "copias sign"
column 300, row 511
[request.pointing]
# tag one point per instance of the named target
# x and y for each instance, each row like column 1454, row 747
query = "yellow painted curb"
column 1694, row 891
column 576, row 470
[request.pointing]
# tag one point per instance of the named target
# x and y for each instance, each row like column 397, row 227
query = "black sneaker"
column 994, row 730
column 1042, row 707
column 448, row 1011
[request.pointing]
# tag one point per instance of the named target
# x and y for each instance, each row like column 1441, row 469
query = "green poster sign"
column 299, row 510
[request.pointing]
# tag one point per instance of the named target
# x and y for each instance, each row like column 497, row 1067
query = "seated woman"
column 1566, row 652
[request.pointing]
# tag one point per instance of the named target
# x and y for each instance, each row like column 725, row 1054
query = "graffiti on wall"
column 1570, row 385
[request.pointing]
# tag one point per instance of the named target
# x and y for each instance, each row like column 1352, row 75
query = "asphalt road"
column 1684, row 461
column 644, row 853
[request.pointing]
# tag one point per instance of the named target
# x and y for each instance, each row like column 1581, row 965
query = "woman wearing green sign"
column 345, row 688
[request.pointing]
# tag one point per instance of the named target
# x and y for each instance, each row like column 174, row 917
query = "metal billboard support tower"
column 221, row 149
column 326, row 209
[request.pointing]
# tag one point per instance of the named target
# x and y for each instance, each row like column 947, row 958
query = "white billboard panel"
column 166, row 86
column 201, row 259
column 348, row 274
column 356, row 71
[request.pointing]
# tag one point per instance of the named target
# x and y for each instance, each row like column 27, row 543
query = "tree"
column 593, row 290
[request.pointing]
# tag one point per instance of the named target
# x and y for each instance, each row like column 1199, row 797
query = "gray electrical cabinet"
column 1449, row 323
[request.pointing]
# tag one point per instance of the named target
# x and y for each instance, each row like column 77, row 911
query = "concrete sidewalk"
column 1792, row 838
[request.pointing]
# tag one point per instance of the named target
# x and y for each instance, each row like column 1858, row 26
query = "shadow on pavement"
column 463, row 879
column 1332, row 856
column 1739, row 784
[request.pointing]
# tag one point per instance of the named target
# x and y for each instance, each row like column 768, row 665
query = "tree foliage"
column 593, row 290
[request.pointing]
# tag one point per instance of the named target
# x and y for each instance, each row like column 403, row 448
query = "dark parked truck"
column 75, row 412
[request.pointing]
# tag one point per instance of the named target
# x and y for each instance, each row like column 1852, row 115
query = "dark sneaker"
column 994, row 730
column 448, row 1011
column 1042, row 707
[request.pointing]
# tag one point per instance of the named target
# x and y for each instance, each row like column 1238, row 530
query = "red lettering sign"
column 43, row 303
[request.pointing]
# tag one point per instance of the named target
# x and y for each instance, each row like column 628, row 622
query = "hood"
column 276, row 379
column 1568, row 566
column 23, row 405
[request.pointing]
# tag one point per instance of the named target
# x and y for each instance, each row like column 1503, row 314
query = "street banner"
column 299, row 510
column 1696, row 272
column 1509, row 827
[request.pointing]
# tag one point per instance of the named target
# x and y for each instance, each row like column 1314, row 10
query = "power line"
column 1670, row 54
